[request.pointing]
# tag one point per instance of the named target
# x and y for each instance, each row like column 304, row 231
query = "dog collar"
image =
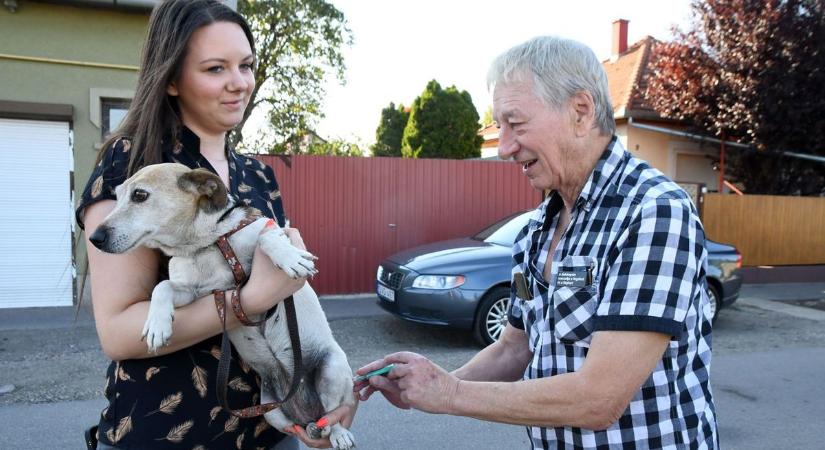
column 228, row 211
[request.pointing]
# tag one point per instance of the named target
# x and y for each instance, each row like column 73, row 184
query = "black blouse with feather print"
column 169, row 401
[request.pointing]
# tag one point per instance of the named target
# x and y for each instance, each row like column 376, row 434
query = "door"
column 37, row 223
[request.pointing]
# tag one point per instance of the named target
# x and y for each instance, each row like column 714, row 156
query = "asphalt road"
column 769, row 357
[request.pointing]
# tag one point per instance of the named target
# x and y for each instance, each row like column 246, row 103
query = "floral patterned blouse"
column 169, row 401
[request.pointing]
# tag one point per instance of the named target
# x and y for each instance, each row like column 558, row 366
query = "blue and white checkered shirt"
column 633, row 259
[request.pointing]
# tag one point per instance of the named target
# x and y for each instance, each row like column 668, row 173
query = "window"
column 107, row 108
column 112, row 110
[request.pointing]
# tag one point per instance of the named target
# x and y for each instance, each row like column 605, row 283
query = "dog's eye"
column 139, row 195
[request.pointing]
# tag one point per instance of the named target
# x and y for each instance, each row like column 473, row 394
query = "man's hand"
column 414, row 382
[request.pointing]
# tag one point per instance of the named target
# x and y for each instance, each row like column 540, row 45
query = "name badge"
column 574, row 277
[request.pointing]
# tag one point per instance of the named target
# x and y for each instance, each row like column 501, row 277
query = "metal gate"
column 353, row 212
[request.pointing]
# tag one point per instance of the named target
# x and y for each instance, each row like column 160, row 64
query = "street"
column 769, row 357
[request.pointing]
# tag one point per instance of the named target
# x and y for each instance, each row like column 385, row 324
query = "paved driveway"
column 769, row 357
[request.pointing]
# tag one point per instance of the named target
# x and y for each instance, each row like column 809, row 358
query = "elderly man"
column 608, row 341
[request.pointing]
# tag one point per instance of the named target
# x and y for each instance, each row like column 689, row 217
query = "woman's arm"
column 122, row 285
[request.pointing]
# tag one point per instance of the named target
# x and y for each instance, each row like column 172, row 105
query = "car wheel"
column 714, row 297
column 491, row 316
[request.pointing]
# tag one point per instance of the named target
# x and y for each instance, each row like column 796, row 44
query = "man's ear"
column 172, row 89
column 584, row 113
column 209, row 188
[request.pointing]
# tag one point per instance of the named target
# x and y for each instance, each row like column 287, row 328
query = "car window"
column 504, row 231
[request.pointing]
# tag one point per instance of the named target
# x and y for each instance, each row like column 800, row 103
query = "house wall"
column 651, row 147
column 693, row 164
column 69, row 33
column 679, row 158
column 74, row 34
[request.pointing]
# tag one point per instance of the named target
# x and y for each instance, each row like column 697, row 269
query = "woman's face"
column 216, row 79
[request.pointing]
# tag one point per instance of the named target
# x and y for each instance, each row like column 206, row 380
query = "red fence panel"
column 354, row 212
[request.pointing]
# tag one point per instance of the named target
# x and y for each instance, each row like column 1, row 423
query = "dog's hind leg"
column 334, row 385
column 276, row 417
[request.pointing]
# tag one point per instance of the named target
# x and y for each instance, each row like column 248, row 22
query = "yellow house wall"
column 651, row 147
column 664, row 152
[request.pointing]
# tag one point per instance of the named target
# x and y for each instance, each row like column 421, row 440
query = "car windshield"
column 504, row 231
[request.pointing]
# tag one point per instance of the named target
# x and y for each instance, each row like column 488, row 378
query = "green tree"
column 334, row 147
column 751, row 71
column 298, row 43
column 443, row 123
column 390, row 131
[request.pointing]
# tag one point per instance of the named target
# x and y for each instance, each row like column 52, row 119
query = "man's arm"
column 594, row 397
column 503, row 360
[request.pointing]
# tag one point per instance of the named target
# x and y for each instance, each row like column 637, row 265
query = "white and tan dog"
column 182, row 212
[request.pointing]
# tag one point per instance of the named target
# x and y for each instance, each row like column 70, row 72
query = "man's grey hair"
column 560, row 68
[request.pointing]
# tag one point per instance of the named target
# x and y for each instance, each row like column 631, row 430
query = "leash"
column 226, row 350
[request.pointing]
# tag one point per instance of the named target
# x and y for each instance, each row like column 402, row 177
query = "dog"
column 183, row 212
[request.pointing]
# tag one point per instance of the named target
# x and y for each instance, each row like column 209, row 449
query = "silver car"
column 465, row 283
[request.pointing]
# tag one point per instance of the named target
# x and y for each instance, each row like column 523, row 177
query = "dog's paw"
column 296, row 263
column 341, row 438
column 317, row 433
column 158, row 329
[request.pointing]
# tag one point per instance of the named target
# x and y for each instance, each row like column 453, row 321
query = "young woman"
column 195, row 80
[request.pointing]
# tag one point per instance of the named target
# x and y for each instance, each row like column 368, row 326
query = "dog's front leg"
column 165, row 298
column 295, row 262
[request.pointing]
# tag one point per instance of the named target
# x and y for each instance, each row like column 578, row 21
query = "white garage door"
column 36, row 227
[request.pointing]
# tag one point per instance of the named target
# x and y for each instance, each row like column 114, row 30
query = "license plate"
column 386, row 292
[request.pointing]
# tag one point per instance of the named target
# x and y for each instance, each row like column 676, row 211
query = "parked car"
column 465, row 283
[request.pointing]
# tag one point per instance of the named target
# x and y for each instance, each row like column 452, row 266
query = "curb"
column 784, row 308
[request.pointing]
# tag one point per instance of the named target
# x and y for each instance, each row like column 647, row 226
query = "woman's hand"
column 295, row 238
column 269, row 285
column 343, row 414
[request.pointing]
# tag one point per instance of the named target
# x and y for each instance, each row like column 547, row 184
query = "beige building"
column 640, row 128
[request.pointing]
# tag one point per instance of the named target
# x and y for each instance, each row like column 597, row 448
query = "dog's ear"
column 209, row 187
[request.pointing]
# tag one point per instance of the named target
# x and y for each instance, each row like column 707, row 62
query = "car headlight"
column 438, row 281
column 379, row 272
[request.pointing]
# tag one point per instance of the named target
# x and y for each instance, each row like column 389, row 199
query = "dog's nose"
column 98, row 238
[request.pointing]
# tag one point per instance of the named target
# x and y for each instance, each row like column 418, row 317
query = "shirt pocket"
column 574, row 307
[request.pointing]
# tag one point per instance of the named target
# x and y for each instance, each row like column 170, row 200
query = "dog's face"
column 159, row 206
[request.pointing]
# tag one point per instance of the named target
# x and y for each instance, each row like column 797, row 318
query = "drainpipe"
column 700, row 138
column 722, row 163
column 136, row 3
column 125, row 4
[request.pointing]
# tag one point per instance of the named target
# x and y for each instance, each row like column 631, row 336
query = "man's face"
column 534, row 135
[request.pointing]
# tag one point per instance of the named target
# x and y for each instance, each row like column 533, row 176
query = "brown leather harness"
column 226, row 350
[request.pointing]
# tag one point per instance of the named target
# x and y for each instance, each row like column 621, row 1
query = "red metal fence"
column 354, row 212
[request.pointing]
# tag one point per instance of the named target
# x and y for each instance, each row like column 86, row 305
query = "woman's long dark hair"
column 153, row 113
